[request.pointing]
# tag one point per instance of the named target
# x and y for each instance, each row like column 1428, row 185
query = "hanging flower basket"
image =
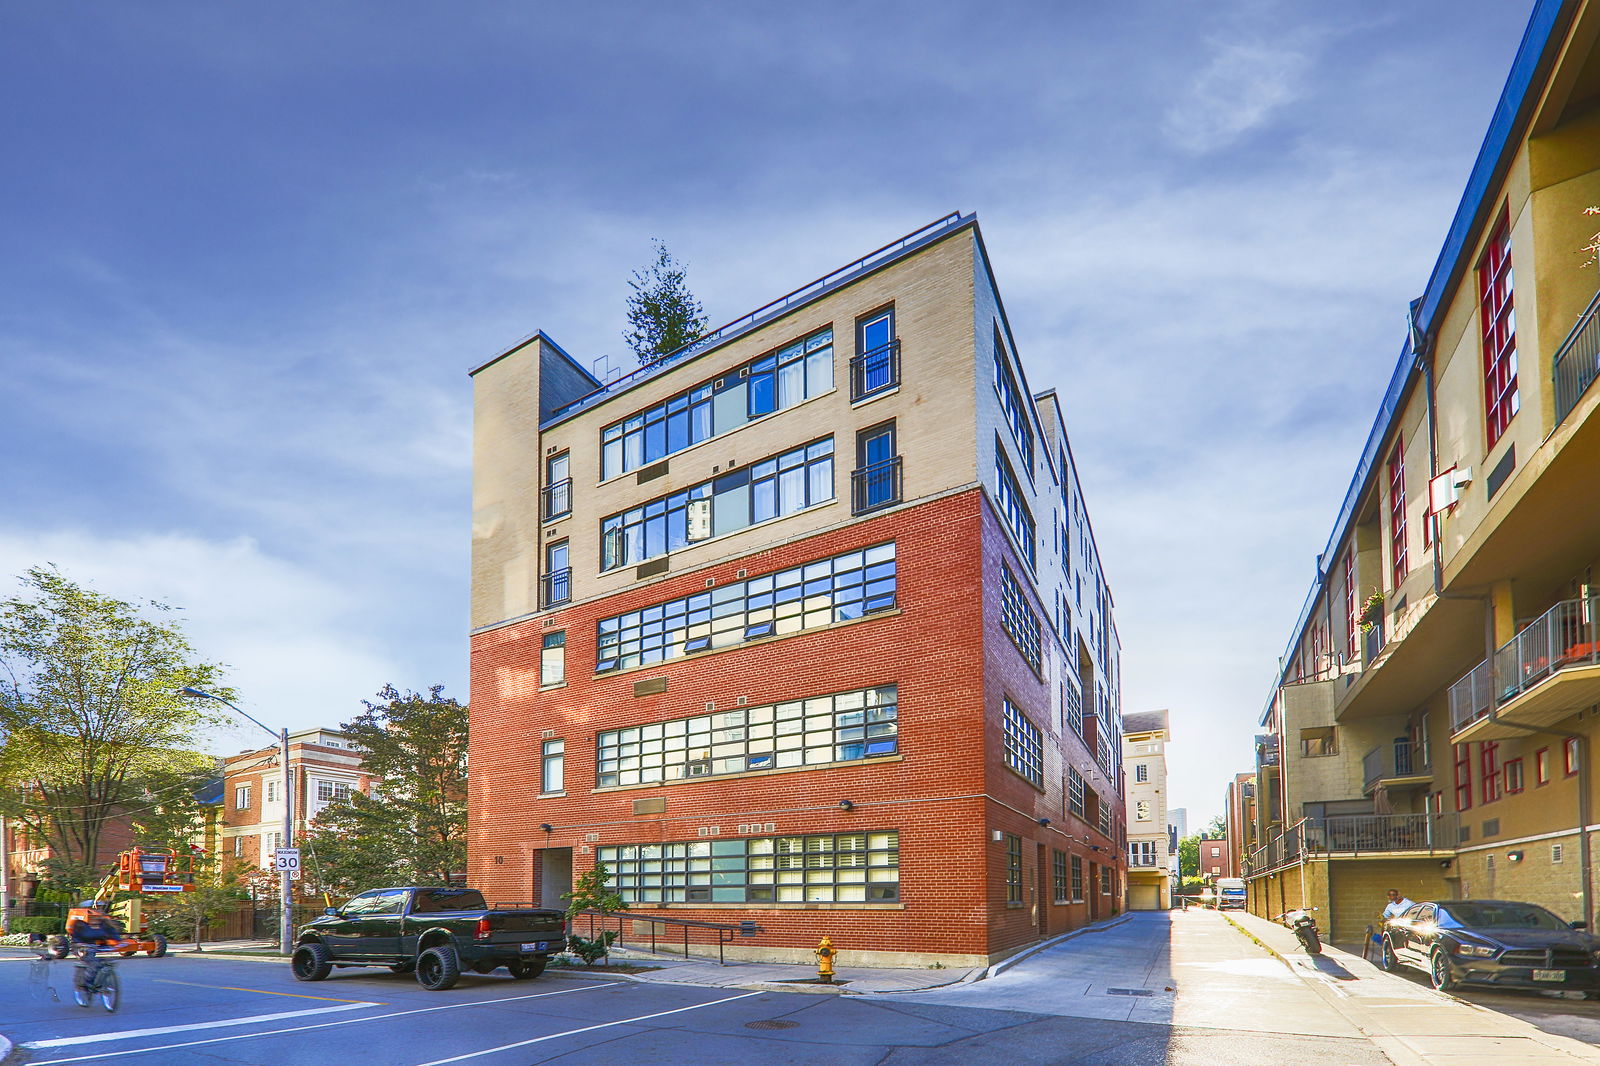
column 1371, row 611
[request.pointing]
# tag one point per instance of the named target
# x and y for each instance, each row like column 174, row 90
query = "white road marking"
column 98, row 1038
column 585, row 1029
column 326, row 1025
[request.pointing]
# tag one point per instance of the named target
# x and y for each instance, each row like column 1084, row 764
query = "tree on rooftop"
column 663, row 315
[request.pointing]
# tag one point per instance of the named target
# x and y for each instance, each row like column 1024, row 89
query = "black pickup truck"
column 435, row 931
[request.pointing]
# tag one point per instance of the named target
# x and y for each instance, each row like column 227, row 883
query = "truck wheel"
column 526, row 969
column 160, row 947
column 438, row 968
column 311, row 962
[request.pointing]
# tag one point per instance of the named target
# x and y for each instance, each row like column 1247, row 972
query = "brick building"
column 1215, row 858
column 804, row 625
column 1432, row 726
column 324, row 766
column 1239, row 812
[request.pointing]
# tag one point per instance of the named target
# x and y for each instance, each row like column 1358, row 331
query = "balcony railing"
column 557, row 499
column 875, row 371
column 1359, row 833
column 875, row 486
column 1267, row 749
column 557, row 587
column 1393, row 759
column 1577, row 362
column 1565, row 635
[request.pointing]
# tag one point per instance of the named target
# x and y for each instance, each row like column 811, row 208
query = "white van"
column 1230, row 894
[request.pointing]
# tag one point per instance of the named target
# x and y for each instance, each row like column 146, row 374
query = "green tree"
column 1189, row 857
column 663, row 315
column 592, row 892
column 92, row 724
column 413, row 828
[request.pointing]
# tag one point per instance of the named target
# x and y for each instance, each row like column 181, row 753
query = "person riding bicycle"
column 94, row 928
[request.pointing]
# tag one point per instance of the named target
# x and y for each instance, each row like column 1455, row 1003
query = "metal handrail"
column 875, row 486
column 1568, row 634
column 1358, row 833
column 1577, row 361
column 1391, row 759
column 557, row 587
column 557, row 499
column 873, row 371
column 725, row 933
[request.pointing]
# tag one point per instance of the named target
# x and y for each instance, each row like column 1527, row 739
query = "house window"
column 1072, row 699
column 557, row 487
column 1319, row 741
column 553, row 766
column 1141, row 811
column 1105, row 880
column 330, row 791
column 771, row 488
column 875, row 482
column 876, row 367
column 1498, row 322
column 1012, row 405
column 1102, row 814
column 553, row 659
column 1058, row 876
column 847, row 727
column 1141, row 772
column 1397, row 513
column 1569, row 753
column 1463, row 777
column 820, row 593
column 773, row 382
column 1541, row 766
column 1024, row 750
column 557, row 574
column 1018, row 619
column 1014, row 509
column 241, row 798
column 238, row 846
column 825, row 868
column 1513, row 774
column 1077, row 878
column 272, row 791
column 1075, row 793
column 1013, row 869
column 1489, row 767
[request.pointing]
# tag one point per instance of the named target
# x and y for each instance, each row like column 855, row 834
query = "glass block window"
column 1013, row 869
column 777, row 380
column 847, row 727
column 1012, row 405
column 825, row 868
column 1077, row 879
column 1058, row 876
column 830, row 590
column 776, row 486
column 1018, row 619
column 1024, row 749
column 1075, row 793
column 1014, row 508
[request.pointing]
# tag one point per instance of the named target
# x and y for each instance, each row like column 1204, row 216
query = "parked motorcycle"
column 1304, row 927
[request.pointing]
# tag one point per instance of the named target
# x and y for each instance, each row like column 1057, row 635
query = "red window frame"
column 1541, row 766
column 1463, row 777
column 1489, row 770
column 1513, row 776
column 1569, row 756
column 1352, row 634
column 1397, row 513
column 1498, row 324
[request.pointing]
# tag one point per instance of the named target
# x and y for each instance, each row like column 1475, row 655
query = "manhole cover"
column 771, row 1023
column 1129, row 992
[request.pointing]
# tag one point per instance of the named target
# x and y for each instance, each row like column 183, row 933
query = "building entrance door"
column 555, row 876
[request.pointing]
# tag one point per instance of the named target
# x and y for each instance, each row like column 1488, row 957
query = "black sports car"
column 1492, row 942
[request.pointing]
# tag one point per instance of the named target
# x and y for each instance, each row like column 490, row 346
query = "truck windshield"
column 447, row 899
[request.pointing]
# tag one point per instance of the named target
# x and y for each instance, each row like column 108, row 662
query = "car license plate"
column 544, row 945
column 1549, row 975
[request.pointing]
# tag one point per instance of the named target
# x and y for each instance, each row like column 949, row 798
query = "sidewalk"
column 1408, row 1021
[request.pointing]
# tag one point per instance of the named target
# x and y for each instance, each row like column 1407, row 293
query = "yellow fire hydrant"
column 825, row 954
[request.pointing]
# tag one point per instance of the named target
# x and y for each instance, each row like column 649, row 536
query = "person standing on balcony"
column 1398, row 905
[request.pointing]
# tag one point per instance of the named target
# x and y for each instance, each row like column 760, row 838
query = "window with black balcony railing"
column 557, row 587
column 557, row 499
column 875, row 485
column 875, row 371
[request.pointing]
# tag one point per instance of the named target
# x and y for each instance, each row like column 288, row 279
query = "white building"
column 1144, row 760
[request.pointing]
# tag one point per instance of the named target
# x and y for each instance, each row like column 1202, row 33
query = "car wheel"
column 1387, row 959
column 526, row 969
column 160, row 948
column 311, row 962
column 438, row 968
column 404, row 967
column 1444, row 978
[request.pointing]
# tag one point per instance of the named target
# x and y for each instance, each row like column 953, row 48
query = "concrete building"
column 1144, row 761
column 324, row 767
column 807, row 616
column 1431, row 729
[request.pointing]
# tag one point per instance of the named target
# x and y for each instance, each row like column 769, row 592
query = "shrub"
column 47, row 926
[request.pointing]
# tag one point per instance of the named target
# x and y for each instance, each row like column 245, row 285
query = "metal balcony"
column 875, row 371
column 1358, row 834
column 1577, row 362
column 557, row 587
column 1391, row 762
column 557, row 499
column 1565, row 637
column 875, row 486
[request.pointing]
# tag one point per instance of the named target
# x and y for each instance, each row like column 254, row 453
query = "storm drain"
column 1129, row 992
column 771, row 1023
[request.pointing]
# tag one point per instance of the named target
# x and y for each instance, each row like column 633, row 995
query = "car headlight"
column 1477, row 951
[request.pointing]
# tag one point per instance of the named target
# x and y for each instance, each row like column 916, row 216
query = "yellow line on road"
column 264, row 992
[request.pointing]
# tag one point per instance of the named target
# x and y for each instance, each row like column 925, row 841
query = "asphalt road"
column 1112, row 999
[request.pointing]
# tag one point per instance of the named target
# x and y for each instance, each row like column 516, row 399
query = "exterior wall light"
column 546, row 826
column 1514, row 856
column 846, row 805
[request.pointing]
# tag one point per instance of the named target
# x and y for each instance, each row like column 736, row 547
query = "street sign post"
column 287, row 859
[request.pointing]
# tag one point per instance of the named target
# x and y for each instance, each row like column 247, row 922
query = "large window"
column 1397, row 513
column 1141, row 772
column 846, row 727
column 333, row 791
column 827, row 868
column 557, row 486
column 1489, row 767
column 1075, row 793
column 776, row 486
column 876, row 367
column 1013, row 868
column 557, row 574
column 1072, row 699
column 1012, row 404
column 1018, row 619
column 1103, row 820
column 1077, row 878
column 1352, row 611
column 1024, row 750
column 1058, row 876
column 241, row 798
column 1463, row 776
column 781, row 379
column 1498, row 322
column 875, row 482
column 1014, row 509
column 830, row 590
column 553, row 659
column 553, row 766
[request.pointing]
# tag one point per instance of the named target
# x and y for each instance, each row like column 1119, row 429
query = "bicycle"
column 93, row 978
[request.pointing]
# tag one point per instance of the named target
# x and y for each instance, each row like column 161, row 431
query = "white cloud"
column 1241, row 87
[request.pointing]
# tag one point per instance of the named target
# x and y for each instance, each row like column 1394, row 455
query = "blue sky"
column 250, row 251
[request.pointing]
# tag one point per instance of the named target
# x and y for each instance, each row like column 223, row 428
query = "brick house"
column 324, row 766
column 804, row 626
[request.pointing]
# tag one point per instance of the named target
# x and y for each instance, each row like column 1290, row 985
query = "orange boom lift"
column 142, row 870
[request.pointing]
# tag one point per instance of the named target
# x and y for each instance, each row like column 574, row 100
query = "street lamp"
column 285, row 892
